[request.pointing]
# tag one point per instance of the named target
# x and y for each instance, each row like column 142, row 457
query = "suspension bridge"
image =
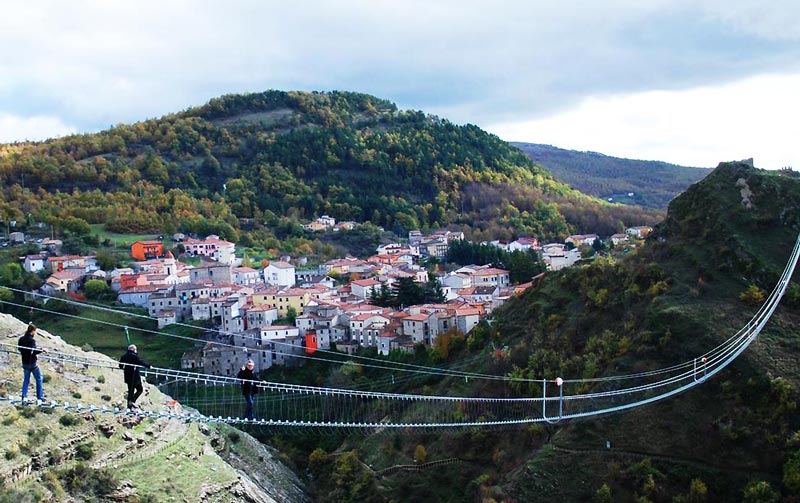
column 291, row 405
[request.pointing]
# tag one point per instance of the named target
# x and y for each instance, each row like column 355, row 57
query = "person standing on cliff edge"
column 131, row 365
column 29, row 351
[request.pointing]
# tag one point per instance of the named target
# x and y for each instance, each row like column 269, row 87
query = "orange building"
column 145, row 250
column 311, row 342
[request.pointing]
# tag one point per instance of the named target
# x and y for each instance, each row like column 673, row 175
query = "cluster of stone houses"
column 435, row 244
column 244, row 303
column 65, row 273
column 557, row 256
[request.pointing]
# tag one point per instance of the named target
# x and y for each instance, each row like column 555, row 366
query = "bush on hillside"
column 760, row 492
column 86, row 483
column 753, row 295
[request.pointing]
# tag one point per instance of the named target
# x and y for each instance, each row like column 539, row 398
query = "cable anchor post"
column 704, row 363
column 558, row 382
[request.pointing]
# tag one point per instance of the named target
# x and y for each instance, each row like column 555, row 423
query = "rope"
column 301, row 406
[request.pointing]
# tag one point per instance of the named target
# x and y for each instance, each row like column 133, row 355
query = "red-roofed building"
column 146, row 250
column 362, row 288
column 490, row 276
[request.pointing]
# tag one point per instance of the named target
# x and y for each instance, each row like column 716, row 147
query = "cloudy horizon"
column 691, row 83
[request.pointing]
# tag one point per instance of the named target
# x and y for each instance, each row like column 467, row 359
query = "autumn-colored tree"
column 420, row 454
column 753, row 295
column 317, row 459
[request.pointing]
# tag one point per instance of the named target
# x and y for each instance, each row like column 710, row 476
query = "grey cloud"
column 472, row 61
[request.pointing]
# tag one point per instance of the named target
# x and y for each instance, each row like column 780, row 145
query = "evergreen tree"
column 432, row 291
column 381, row 296
column 405, row 292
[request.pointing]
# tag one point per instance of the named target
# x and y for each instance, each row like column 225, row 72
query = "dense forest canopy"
column 278, row 157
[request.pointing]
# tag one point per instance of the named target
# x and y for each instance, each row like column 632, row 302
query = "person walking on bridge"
column 28, row 351
column 249, row 388
column 131, row 365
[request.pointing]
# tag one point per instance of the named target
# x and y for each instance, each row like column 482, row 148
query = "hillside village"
column 251, row 308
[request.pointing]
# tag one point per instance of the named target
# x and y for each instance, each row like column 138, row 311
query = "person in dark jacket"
column 249, row 388
column 131, row 365
column 29, row 351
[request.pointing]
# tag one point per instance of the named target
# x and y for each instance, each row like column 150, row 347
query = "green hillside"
column 264, row 162
column 682, row 295
column 651, row 184
column 689, row 289
column 56, row 455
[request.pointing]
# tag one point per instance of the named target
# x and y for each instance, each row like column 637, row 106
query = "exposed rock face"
column 746, row 193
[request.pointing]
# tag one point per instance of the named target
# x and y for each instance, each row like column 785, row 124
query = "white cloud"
column 14, row 128
column 93, row 64
column 756, row 117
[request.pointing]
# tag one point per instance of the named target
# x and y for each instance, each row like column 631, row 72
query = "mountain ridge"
column 651, row 184
column 279, row 158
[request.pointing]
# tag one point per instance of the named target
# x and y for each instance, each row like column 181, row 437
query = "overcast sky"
column 691, row 82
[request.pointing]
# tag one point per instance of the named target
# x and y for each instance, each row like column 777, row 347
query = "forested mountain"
column 698, row 280
column 653, row 184
column 277, row 158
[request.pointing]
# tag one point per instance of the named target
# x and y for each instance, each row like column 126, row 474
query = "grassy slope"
column 198, row 463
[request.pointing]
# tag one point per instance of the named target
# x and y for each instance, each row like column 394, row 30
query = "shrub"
column 791, row 473
column 76, row 395
column 29, row 412
column 8, row 495
column 46, row 378
column 10, row 418
column 12, row 452
column 792, row 296
column 84, row 451
column 68, row 420
column 101, row 379
column 53, row 485
column 87, row 347
column 57, row 456
column 698, row 491
column 105, row 398
column 753, row 295
column 603, row 495
column 760, row 492
column 420, row 454
column 317, row 459
column 234, row 437
column 36, row 436
column 87, row 483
